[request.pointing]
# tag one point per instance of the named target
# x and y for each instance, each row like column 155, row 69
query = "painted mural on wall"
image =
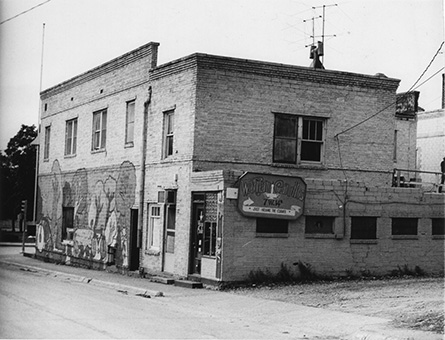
column 101, row 201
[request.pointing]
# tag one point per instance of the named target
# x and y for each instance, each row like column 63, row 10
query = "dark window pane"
column 104, row 130
column 404, row 226
column 285, row 150
column 305, row 129
column 438, row 225
column 67, row 220
column 311, row 151
column 319, row 135
column 271, row 225
column 363, row 228
column 169, row 146
column 171, row 217
column 285, row 126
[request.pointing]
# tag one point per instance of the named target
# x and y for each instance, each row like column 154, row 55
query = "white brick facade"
column 223, row 112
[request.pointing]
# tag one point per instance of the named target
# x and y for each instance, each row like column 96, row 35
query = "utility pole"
column 37, row 146
column 24, row 208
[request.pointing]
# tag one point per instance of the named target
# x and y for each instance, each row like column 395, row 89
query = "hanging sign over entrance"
column 271, row 196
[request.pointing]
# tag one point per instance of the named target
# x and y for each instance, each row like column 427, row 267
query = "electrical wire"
column 404, row 95
column 429, row 78
column 441, row 45
column 28, row 10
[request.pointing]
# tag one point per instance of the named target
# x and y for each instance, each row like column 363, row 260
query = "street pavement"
column 263, row 317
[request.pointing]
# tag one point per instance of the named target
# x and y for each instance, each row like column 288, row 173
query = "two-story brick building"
column 213, row 167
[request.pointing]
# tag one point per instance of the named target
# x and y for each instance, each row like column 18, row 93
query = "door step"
column 188, row 284
column 164, row 280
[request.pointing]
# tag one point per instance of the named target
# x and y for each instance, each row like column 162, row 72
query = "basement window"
column 319, row 225
column 363, row 228
column 272, row 227
column 404, row 226
column 438, row 226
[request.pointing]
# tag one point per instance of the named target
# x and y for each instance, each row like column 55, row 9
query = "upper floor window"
column 129, row 123
column 71, row 137
column 46, row 146
column 168, row 133
column 298, row 139
column 99, row 130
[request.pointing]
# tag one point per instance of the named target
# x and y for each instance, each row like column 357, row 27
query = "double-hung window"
column 168, row 133
column 99, row 130
column 129, row 123
column 70, row 137
column 298, row 139
column 47, row 139
column 154, row 230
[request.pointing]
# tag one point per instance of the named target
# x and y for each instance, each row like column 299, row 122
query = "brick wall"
column 237, row 99
column 173, row 89
column 101, row 197
column 337, row 254
column 101, row 186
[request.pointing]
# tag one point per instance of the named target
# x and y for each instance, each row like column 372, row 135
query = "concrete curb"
column 397, row 334
column 124, row 289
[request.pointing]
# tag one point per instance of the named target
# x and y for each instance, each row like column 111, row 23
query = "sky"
column 396, row 37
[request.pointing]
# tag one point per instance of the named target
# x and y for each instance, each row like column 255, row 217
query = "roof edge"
column 104, row 68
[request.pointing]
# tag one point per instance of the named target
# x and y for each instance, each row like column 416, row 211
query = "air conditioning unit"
column 167, row 196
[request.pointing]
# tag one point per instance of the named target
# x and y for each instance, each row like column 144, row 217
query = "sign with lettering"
column 271, row 196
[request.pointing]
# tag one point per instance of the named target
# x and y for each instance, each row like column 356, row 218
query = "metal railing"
column 427, row 180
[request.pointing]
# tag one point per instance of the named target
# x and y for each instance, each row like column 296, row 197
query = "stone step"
column 164, row 280
column 188, row 284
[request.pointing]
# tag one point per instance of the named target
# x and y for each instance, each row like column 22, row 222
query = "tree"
column 17, row 174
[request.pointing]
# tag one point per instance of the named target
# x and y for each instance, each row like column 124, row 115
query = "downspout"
column 142, row 175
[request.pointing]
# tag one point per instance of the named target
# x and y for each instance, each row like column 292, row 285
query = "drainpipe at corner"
column 142, row 177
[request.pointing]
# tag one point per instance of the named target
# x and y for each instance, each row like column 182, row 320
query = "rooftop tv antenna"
column 318, row 50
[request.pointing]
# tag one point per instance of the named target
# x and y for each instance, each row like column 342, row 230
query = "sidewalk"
column 224, row 305
column 11, row 254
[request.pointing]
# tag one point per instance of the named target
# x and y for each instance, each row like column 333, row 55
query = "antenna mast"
column 322, row 32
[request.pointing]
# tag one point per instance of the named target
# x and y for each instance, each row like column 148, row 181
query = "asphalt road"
column 34, row 305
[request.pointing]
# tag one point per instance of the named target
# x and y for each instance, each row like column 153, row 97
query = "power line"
column 427, row 66
column 429, row 78
column 388, row 106
column 28, row 10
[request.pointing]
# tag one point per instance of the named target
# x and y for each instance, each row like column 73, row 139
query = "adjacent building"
column 431, row 143
column 211, row 168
